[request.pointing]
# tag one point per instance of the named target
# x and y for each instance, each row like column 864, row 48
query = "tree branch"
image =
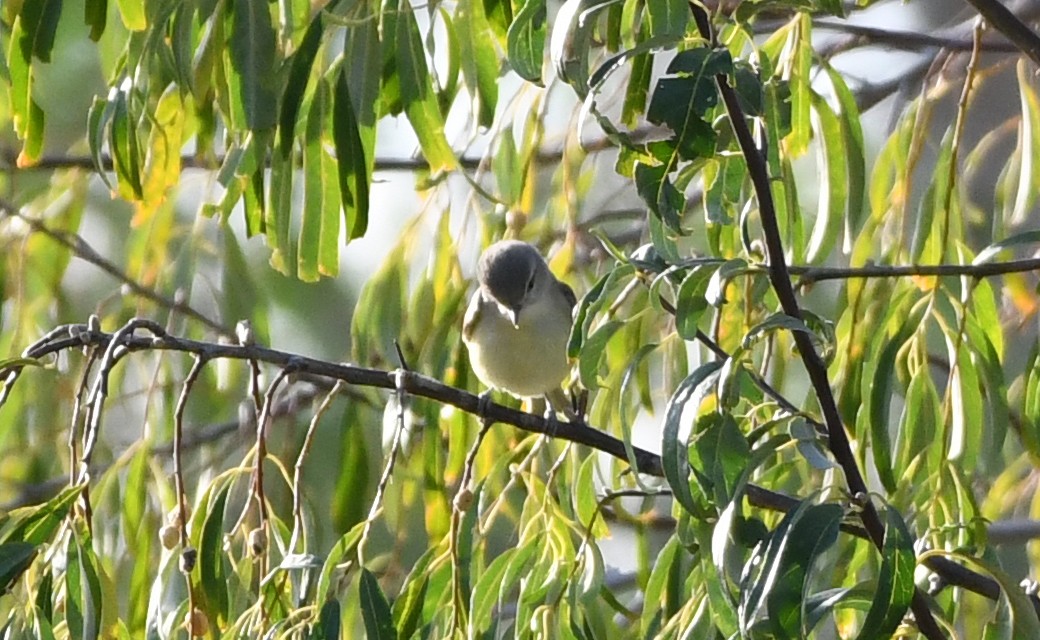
column 781, row 281
column 1001, row 19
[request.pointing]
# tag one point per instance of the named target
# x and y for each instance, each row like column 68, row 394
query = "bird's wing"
column 568, row 293
column 469, row 322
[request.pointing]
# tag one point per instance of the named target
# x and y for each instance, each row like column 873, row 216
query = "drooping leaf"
column 253, row 45
column 526, row 41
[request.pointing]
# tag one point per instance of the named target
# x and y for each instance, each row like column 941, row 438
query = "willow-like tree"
column 806, row 322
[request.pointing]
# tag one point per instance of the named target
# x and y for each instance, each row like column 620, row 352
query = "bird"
column 518, row 324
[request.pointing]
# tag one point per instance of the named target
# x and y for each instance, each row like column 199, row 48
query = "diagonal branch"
column 1001, row 18
column 780, row 279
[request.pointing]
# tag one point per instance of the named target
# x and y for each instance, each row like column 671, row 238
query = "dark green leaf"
column 299, row 72
column 253, row 47
column 328, row 621
column 679, row 103
column 212, row 574
column 526, row 41
column 420, row 102
column 674, row 457
column 657, row 190
column 353, row 166
column 479, row 60
column 690, row 302
column 15, row 558
column 592, row 353
column 895, row 585
column 39, row 24
column 667, row 17
column 95, row 16
column 379, row 623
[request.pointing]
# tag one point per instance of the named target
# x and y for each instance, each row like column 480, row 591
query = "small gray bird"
column 518, row 324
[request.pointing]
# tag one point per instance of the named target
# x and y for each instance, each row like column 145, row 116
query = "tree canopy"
column 240, row 236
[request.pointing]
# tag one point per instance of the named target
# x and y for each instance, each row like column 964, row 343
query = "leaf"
column 26, row 114
column 667, row 17
column 526, row 41
column 855, row 154
column 375, row 610
column 1024, row 620
column 133, row 14
column 592, row 352
column 691, row 303
column 1029, row 143
column 212, row 574
column 895, row 584
column 15, row 558
column 420, row 102
column 834, row 179
column 353, row 163
column 83, row 602
column 39, row 24
column 479, row 60
column 657, row 190
column 993, row 250
column 328, row 621
column 674, row 457
column 773, row 323
column 799, row 79
column 95, row 16
column 253, row 45
column 299, row 73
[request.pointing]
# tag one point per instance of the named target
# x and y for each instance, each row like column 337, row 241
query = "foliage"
column 832, row 450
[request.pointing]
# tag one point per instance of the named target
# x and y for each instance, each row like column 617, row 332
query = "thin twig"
column 1001, row 18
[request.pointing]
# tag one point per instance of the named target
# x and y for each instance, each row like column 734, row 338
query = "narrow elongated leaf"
column 299, row 72
column 479, row 60
column 375, row 610
column 15, row 558
column 212, row 574
column 855, row 155
column 95, row 16
column 353, row 164
column 667, row 17
column 797, row 141
column 592, row 353
column 895, row 585
column 1029, row 143
column 526, row 41
column 253, row 46
column 39, row 24
column 686, row 398
column 420, row 101
column 133, row 14
column 830, row 213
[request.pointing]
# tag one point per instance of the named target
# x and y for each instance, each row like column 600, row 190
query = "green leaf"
column 526, row 41
column 592, row 353
column 328, row 621
column 354, row 176
column 895, row 584
column 775, row 577
column 667, row 17
column 674, row 457
column 797, row 141
column 253, row 45
column 1019, row 239
column 83, row 595
column 775, row 322
column 15, row 558
column 39, row 24
column 834, row 179
column 95, row 16
column 1024, row 620
column 212, row 574
column 375, row 610
column 133, row 14
column 691, row 303
column 479, row 60
column 420, row 101
column 1029, row 143
column 299, row 73
column 657, row 190
column 720, row 454
column 26, row 114
column 855, row 154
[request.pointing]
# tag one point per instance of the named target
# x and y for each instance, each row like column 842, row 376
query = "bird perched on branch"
column 518, row 324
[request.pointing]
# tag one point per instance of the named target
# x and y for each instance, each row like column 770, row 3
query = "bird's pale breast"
column 529, row 360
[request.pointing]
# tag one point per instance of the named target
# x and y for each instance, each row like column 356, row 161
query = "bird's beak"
column 514, row 316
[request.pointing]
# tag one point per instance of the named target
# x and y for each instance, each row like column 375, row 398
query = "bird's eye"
column 530, row 284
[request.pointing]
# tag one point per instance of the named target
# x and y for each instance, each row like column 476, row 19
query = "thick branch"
column 1001, row 18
